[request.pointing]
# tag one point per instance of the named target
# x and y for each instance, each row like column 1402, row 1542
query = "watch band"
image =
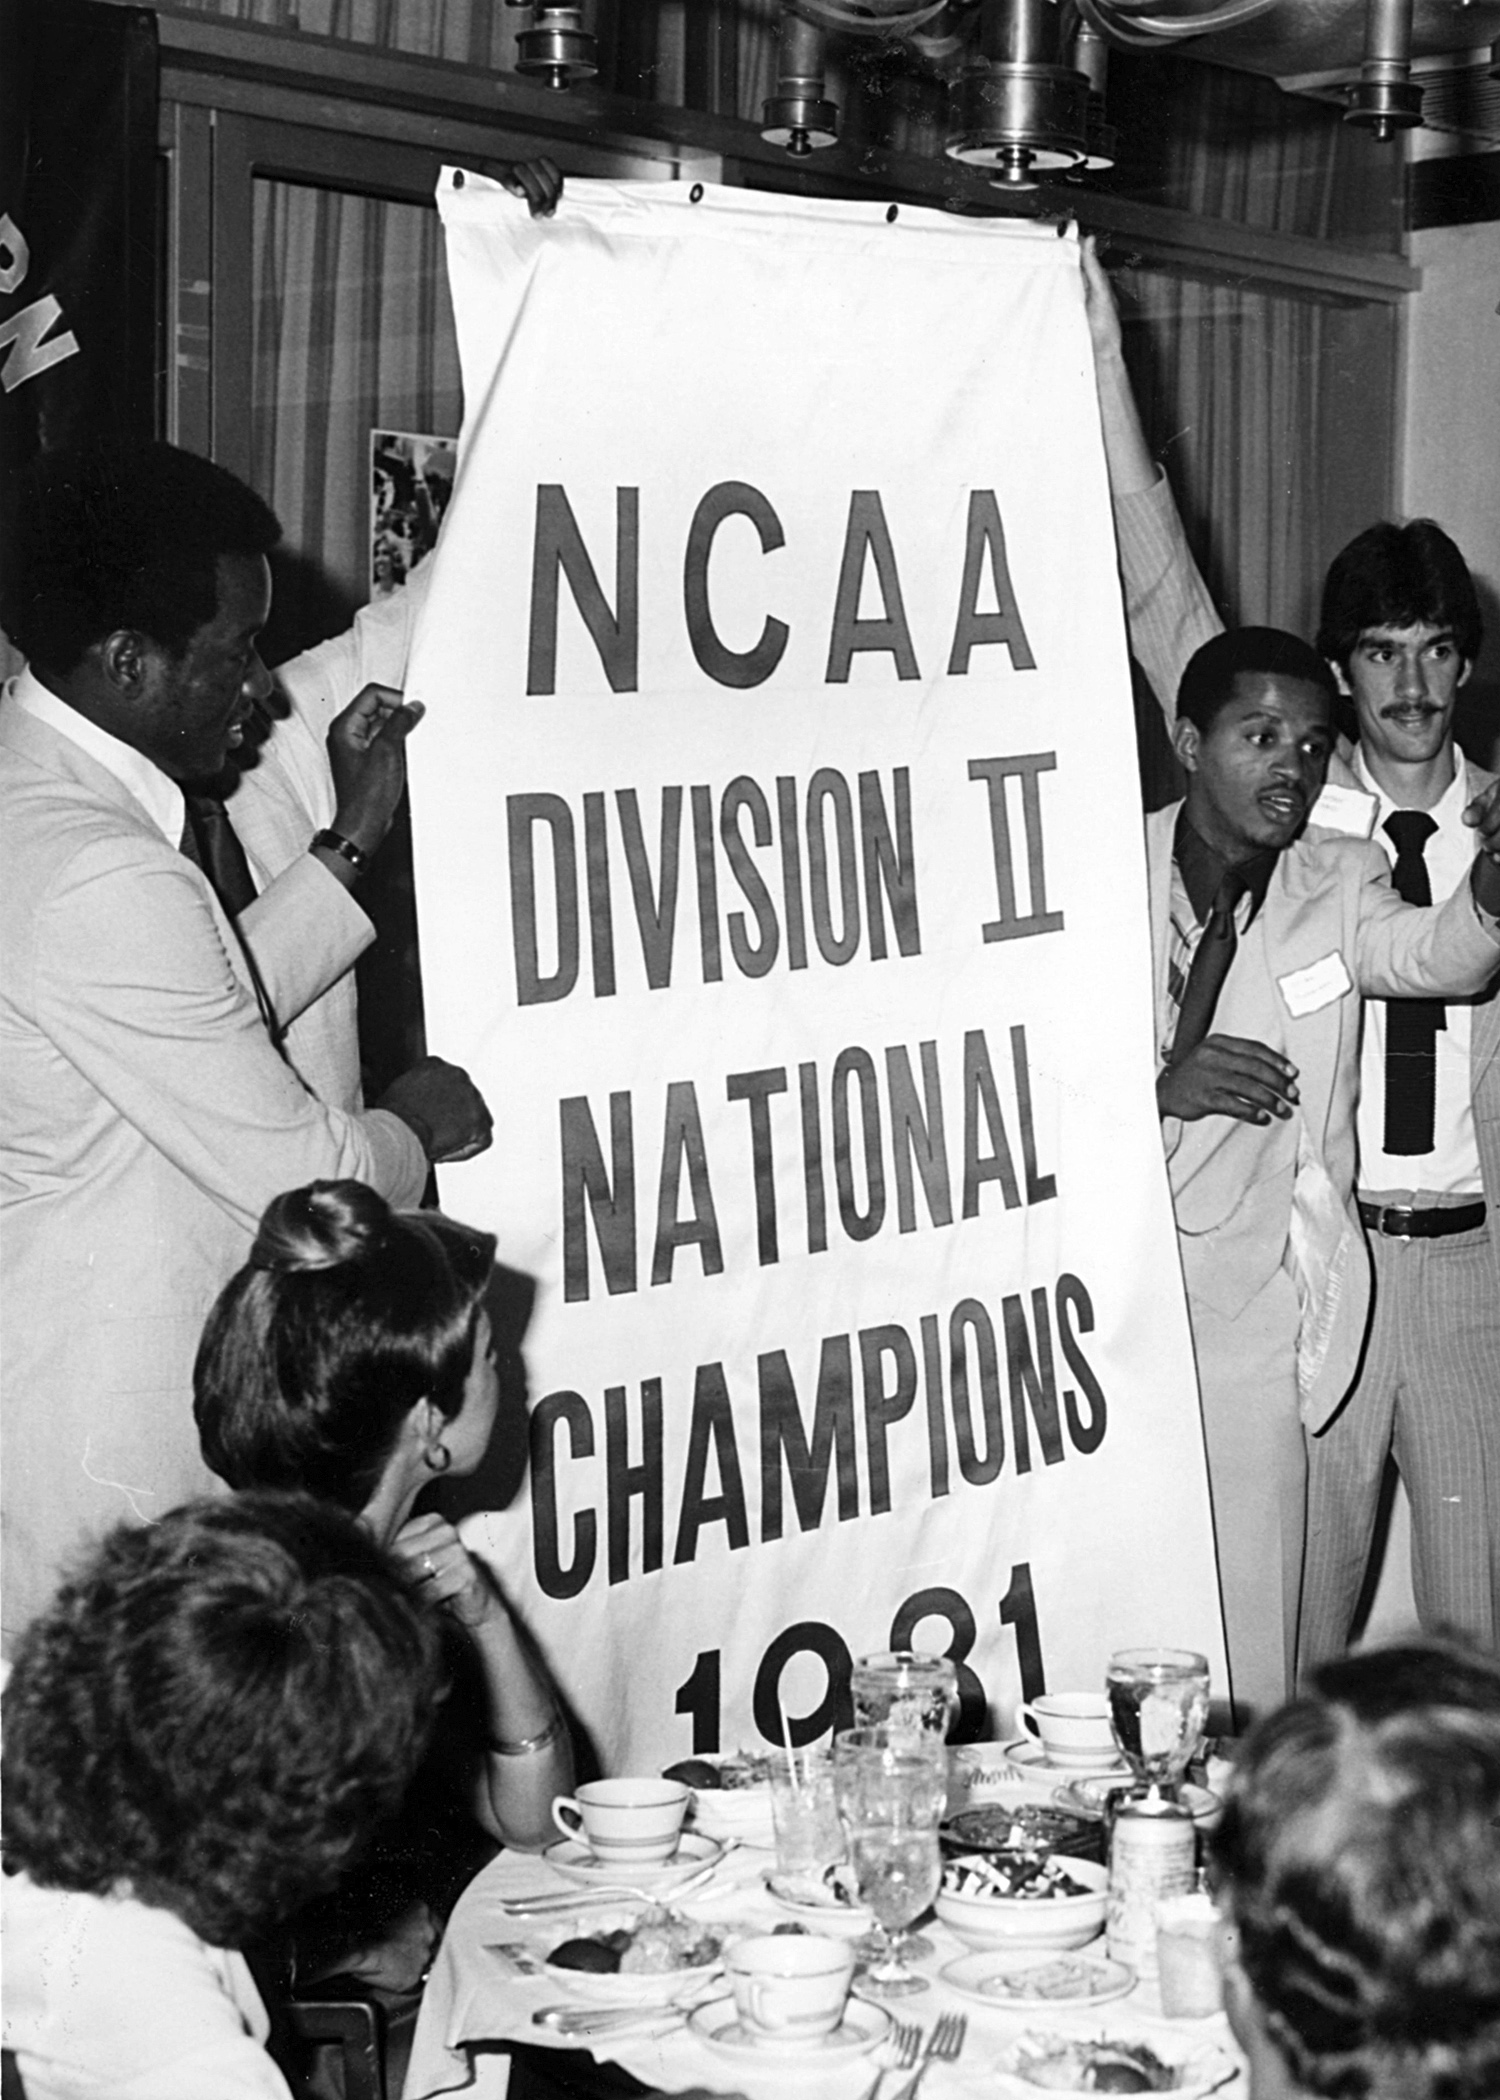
column 337, row 843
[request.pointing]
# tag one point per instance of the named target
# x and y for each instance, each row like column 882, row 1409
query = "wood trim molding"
column 462, row 113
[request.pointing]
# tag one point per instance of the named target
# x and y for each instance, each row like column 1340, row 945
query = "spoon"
column 577, row 2020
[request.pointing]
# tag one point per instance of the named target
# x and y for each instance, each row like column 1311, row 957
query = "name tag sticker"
column 1349, row 810
column 1305, row 991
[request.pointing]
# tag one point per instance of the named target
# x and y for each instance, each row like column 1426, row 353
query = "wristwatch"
column 337, row 843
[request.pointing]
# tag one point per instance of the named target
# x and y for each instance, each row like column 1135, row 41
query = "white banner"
column 780, row 880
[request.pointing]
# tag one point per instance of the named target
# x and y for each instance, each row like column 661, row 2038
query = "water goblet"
column 1158, row 1705
column 891, row 1797
column 911, row 1693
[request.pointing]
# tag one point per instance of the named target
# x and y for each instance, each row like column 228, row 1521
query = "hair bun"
column 322, row 1226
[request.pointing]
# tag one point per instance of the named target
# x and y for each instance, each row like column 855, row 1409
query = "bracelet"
column 337, row 843
column 528, row 1745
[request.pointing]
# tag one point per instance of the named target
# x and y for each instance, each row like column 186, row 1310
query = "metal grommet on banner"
column 695, row 194
column 890, row 215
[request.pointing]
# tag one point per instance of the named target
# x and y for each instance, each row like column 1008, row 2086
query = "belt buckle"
column 1391, row 1211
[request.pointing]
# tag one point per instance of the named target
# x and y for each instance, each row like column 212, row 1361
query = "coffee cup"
column 625, row 1822
column 1072, row 1728
column 790, row 1986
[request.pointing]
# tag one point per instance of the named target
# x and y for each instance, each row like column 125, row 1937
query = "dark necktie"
column 1209, row 967
column 1411, row 1025
column 209, row 841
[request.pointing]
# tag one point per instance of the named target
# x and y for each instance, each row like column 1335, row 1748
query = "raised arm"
column 1168, row 611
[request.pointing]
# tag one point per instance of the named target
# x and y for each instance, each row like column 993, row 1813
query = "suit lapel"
column 1484, row 1027
column 58, row 755
column 1302, row 925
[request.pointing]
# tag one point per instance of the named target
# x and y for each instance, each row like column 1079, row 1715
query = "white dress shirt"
column 1451, row 1168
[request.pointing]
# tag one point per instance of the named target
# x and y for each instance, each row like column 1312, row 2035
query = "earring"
column 437, row 1458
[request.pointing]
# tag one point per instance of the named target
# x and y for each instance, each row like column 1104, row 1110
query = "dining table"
column 488, row 1982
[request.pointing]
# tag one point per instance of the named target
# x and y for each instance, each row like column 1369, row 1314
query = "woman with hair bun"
column 1359, row 1859
column 352, row 1358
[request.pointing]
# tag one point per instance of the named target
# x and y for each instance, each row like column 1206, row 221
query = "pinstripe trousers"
column 1428, row 1393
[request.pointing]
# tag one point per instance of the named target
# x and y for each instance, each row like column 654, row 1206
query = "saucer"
column 573, row 1858
column 1027, row 1756
column 1035, row 1982
column 807, row 1898
column 718, row 2026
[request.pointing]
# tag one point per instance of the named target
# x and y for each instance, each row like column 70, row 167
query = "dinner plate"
column 1200, row 2067
column 1035, row 1982
column 644, row 1987
column 809, row 1899
column 1027, row 1755
column 718, row 2026
column 573, row 1858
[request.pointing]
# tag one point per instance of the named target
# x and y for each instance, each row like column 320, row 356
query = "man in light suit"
column 1401, row 628
column 147, row 1116
column 1266, row 932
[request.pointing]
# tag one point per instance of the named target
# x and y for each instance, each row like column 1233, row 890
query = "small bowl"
column 739, row 1813
column 986, row 1922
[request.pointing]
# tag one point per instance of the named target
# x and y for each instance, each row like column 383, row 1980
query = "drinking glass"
column 1158, row 1705
column 891, row 1794
column 909, row 1693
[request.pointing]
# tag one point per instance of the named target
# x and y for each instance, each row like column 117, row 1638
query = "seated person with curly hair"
column 200, row 1735
column 352, row 1358
column 1360, row 1856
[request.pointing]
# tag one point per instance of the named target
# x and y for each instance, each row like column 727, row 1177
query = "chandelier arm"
column 1147, row 32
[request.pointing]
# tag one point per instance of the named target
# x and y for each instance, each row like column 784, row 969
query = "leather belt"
column 1395, row 1222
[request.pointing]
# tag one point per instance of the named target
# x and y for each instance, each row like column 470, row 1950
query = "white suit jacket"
column 1249, row 1199
column 284, row 798
column 1170, row 614
column 146, row 1122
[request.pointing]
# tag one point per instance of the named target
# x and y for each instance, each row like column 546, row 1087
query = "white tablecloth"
column 476, row 1995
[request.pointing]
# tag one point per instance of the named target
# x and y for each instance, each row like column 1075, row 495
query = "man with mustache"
column 1266, row 931
column 1400, row 629
column 1400, row 623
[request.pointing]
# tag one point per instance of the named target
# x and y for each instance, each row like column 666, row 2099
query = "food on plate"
column 1058, row 2065
column 1061, row 1979
column 694, row 1772
column 1023, row 1876
column 746, row 1768
column 659, row 1940
column 1022, row 1826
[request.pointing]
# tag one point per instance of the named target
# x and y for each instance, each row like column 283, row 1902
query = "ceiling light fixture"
column 1386, row 99
column 799, row 116
column 557, row 47
column 1019, row 108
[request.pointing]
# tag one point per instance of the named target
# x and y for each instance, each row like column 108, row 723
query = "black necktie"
column 209, row 841
column 1411, row 1025
column 1209, row 967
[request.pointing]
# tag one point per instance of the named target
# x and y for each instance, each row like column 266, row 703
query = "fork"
column 544, row 1901
column 906, row 2043
column 943, row 2046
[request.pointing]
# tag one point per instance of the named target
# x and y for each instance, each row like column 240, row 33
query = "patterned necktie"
column 210, row 842
column 1411, row 1025
column 1209, row 967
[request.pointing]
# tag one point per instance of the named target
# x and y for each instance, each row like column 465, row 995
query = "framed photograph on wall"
column 411, row 480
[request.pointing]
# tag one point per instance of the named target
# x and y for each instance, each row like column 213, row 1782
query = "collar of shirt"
column 1202, row 870
column 158, row 795
column 1446, row 812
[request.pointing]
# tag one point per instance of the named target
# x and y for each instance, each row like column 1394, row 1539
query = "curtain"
column 353, row 332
